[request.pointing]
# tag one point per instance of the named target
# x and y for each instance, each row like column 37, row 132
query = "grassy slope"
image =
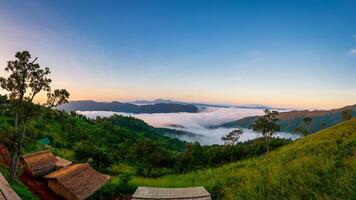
column 319, row 166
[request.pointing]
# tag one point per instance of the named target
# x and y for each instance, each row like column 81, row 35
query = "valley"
column 198, row 126
column 177, row 100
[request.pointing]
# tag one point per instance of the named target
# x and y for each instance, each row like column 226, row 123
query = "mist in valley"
column 197, row 123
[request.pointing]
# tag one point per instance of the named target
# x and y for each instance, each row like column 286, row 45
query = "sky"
column 295, row 54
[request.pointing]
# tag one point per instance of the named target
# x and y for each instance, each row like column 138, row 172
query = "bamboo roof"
column 39, row 160
column 191, row 193
column 80, row 179
column 61, row 162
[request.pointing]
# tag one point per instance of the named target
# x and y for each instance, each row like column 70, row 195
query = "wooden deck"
column 191, row 193
column 6, row 192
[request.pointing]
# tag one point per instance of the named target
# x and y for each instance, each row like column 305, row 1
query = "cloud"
column 352, row 52
column 210, row 116
column 346, row 92
column 354, row 36
column 197, row 122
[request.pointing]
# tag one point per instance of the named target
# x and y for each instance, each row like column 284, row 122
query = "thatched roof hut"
column 39, row 163
column 76, row 182
column 6, row 192
column 191, row 193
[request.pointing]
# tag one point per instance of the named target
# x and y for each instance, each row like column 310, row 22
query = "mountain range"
column 247, row 106
column 149, row 106
column 291, row 120
column 116, row 106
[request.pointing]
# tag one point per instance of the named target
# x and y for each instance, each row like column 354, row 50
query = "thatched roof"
column 61, row 162
column 6, row 192
column 191, row 193
column 39, row 160
column 80, row 179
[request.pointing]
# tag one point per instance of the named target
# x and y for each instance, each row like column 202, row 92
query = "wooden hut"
column 76, row 182
column 191, row 193
column 40, row 163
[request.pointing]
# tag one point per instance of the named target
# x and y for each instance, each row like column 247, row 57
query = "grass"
column 319, row 166
column 17, row 185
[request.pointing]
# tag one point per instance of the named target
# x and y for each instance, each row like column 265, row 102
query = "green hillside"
column 291, row 120
column 319, row 166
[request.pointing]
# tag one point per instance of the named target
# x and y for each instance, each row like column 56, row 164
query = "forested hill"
column 128, row 107
column 318, row 166
column 291, row 120
column 123, row 147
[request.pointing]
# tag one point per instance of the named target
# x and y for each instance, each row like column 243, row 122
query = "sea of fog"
column 197, row 123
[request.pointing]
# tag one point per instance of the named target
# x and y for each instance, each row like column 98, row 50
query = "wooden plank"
column 190, row 193
column 6, row 191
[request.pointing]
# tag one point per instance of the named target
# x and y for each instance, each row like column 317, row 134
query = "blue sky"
column 298, row 54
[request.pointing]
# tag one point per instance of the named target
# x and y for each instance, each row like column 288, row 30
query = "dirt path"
column 39, row 187
column 5, row 157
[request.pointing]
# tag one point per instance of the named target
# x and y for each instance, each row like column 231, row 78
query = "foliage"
column 318, row 166
column 231, row 138
column 267, row 126
column 124, row 147
column 305, row 127
column 346, row 114
column 196, row 156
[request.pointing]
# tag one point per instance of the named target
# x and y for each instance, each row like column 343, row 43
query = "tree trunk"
column 14, row 165
column 16, row 157
column 267, row 141
column 17, row 144
column 15, row 150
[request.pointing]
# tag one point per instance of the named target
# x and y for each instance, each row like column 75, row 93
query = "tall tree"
column 25, row 81
column 267, row 126
column 346, row 114
column 231, row 138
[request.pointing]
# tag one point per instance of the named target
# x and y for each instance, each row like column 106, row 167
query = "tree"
column 267, row 126
column 305, row 127
column 231, row 138
column 346, row 114
column 322, row 125
column 307, row 120
column 150, row 155
column 25, row 81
